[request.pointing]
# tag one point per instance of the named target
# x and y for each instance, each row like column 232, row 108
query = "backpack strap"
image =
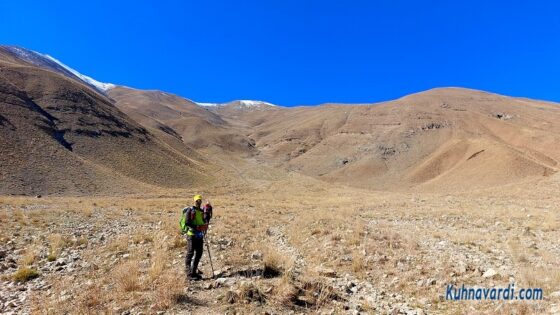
column 189, row 213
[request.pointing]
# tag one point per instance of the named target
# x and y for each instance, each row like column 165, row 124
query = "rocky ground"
column 299, row 251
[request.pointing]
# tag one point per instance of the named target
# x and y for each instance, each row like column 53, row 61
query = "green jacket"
column 190, row 219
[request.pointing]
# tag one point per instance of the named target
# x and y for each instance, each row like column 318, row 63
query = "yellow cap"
column 197, row 197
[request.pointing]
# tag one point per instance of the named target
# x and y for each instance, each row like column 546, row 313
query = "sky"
column 298, row 52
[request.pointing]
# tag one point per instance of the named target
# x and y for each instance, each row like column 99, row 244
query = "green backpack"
column 183, row 221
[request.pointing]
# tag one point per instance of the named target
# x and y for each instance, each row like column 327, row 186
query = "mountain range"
column 65, row 133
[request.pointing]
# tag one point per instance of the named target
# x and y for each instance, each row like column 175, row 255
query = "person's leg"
column 190, row 254
column 198, row 247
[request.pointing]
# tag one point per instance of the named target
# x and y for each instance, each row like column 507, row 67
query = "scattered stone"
column 503, row 116
column 306, row 300
column 327, row 272
column 461, row 268
column 256, row 255
column 490, row 273
column 226, row 282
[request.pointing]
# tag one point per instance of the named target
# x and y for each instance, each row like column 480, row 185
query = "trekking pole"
column 209, row 255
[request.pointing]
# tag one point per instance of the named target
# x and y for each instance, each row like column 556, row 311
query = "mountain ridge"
column 448, row 138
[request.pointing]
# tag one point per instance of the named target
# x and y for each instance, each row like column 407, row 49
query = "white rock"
column 461, row 268
column 489, row 273
column 224, row 282
column 256, row 255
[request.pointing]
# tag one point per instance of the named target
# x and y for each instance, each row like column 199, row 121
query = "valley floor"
column 287, row 245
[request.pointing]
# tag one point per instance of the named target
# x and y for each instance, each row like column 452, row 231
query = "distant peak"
column 251, row 103
column 240, row 104
column 454, row 90
column 47, row 62
column 103, row 87
column 453, row 93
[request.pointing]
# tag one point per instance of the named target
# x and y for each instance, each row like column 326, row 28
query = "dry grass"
column 120, row 244
column 467, row 238
column 127, row 276
column 520, row 308
column 29, row 257
column 20, row 217
column 247, row 292
column 387, row 239
column 168, row 291
column 4, row 237
column 546, row 278
column 275, row 264
column 57, row 243
column 358, row 264
column 4, row 217
column 286, row 292
column 141, row 238
column 358, row 234
column 336, row 237
column 88, row 211
column 317, row 292
column 550, row 223
column 91, row 299
column 158, row 265
column 82, row 240
column 24, row 274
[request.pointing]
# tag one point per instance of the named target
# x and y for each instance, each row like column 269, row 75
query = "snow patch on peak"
column 240, row 104
column 98, row 85
column 47, row 62
column 24, row 54
column 250, row 103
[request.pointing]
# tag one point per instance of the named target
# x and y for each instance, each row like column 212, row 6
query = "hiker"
column 207, row 212
column 194, row 222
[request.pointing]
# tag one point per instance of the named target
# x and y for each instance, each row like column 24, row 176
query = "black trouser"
column 195, row 247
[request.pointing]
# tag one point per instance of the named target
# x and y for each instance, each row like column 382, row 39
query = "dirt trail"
column 281, row 242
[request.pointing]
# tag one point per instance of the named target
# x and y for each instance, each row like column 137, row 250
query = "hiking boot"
column 195, row 277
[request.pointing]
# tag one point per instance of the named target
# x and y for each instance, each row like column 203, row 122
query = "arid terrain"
column 291, row 244
column 333, row 209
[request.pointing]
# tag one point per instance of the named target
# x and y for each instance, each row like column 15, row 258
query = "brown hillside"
column 58, row 135
column 195, row 126
column 446, row 138
column 439, row 139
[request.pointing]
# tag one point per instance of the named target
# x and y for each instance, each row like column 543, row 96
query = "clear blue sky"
column 298, row 52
